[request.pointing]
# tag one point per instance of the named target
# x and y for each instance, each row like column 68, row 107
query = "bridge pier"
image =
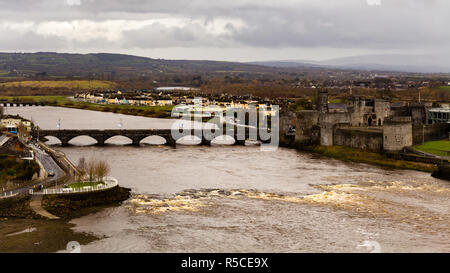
column 100, row 139
column 136, row 141
column 205, row 142
column 170, row 142
column 239, row 142
column 64, row 141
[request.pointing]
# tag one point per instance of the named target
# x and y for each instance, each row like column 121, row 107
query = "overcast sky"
column 244, row 30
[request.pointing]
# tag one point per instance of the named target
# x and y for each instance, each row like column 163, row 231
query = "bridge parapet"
column 137, row 135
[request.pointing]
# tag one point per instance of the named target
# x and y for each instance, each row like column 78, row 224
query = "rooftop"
column 440, row 110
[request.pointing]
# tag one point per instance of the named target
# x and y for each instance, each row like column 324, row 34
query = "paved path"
column 36, row 206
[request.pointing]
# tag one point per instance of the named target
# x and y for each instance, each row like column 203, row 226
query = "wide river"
column 241, row 199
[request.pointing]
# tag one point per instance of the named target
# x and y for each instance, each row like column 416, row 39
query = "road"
column 49, row 165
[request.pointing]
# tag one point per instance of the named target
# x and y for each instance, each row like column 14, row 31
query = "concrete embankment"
column 77, row 204
column 36, row 206
column 63, row 206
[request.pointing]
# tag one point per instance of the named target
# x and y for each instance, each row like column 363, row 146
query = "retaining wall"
column 430, row 132
column 356, row 138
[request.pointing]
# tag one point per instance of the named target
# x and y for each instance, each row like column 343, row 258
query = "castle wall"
column 357, row 109
column 430, row 132
column 322, row 101
column 326, row 134
column 287, row 121
column 397, row 133
column 381, row 111
column 418, row 115
column 358, row 138
column 305, row 123
column 327, row 122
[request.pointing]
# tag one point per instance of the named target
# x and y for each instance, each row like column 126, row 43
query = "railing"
column 110, row 182
column 60, row 159
column 5, row 195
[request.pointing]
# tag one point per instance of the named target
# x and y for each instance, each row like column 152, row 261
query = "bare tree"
column 102, row 169
column 82, row 168
column 2, row 111
column 90, row 169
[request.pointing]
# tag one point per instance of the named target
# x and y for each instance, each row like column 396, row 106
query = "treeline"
column 284, row 85
column 34, row 91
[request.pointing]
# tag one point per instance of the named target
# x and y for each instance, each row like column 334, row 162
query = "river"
column 241, row 199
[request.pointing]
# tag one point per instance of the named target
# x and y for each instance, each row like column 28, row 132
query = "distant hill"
column 113, row 67
column 47, row 64
column 432, row 63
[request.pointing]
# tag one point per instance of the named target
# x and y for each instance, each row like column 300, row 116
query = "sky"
column 232, row 30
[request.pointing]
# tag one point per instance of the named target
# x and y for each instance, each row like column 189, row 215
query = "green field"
column 63, row 101
column 439, row 148
column 47, row 99
column 69, row 84
column 135, row 110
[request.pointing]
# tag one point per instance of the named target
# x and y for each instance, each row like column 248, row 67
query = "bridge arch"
column 118, row 140
column 82, row 140
column 153, row 140
column 189, row 140
column 52, row 140
column 223, row 140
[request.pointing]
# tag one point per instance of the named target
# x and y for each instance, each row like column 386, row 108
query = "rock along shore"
column 65, row 206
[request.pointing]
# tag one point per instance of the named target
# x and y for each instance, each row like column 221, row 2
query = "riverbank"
column 62, row 101
column 69, row 206
column 18, row 235
column 64, row 206
column 443, row 172
column 364, row 156
column 17, row 207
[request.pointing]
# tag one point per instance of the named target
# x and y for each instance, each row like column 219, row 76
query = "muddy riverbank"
column 19, row 235
column 22, row 230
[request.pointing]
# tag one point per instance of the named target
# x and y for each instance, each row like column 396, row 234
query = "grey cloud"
column 29, row 41
column 158, row 35
column 395, row 24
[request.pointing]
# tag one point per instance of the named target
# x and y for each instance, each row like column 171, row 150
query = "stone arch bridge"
column 5, row 103
column 136, row 136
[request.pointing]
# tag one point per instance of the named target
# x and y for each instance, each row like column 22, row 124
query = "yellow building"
column 12, row 124
column 164, row 102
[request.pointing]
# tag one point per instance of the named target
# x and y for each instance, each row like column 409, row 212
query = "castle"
column 373, row 124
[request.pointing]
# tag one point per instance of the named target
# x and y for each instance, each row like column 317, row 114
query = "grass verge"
column 439, row 148
column 368, row 157
column 85, row 184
